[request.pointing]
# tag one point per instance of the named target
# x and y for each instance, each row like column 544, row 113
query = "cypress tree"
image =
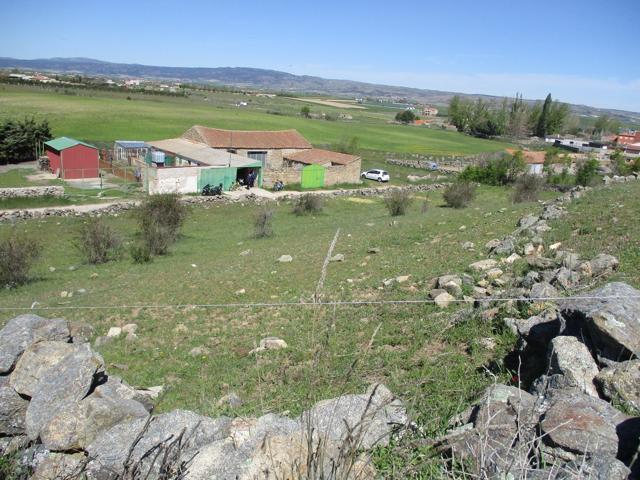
column 543, row 119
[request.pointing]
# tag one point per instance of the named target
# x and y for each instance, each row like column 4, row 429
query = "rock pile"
column 563, row 424
column 68, row 417
column 30, row 192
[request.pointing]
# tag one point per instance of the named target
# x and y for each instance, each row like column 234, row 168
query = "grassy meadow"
column 98, row 116
column 205, row 267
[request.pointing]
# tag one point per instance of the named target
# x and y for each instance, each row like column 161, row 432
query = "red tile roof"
column 219, row 138
column 529, row 157
column 319, row 156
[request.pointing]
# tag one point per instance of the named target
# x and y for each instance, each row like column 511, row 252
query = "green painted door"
column 312, row 176
column 216, row 176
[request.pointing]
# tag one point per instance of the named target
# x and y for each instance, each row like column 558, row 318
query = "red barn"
column 71, row 159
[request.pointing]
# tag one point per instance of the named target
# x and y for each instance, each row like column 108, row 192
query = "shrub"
column 587, row 172
column 17, row 255
column 263, row 223
column 97, row 242
column 459, row 194
column 397, row 202
column 527, row 188
column 140, row 253
column 161, row 217
column 308, row 203
column 499, row 171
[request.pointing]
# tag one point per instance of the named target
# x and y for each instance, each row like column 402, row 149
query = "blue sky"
column 580, row 51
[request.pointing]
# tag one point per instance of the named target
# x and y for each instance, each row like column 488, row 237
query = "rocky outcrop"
column 84, row 423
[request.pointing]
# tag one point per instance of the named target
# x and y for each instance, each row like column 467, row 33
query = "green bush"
column 308, row 203
column 498, row 171
column 527, row 188
column 161, row 217
column 397, row 202
column 97, row 242
column 263, row 222
column 17, row 255
column 140, row 253
column 459, row 194
column 587, row 172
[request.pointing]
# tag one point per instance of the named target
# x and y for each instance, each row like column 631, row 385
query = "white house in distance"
column 534, row 161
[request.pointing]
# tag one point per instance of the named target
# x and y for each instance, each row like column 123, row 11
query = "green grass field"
column 435, row 366
column 96, row 116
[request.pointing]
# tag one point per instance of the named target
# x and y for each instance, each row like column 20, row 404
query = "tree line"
column 19, row 139
column 511, row 117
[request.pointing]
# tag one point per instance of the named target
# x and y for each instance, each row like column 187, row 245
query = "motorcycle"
column 209, row 191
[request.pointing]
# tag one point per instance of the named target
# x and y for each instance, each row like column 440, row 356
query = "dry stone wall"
column 28, row 192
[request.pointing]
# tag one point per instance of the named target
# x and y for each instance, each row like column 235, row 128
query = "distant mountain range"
column 262, row 79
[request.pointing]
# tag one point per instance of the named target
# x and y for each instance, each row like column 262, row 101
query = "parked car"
column 378, row 175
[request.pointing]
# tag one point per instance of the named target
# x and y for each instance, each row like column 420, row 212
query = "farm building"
column 181, row 166
column 280, row 154
column 533, row 160
column 72, row 159
column 126, row 151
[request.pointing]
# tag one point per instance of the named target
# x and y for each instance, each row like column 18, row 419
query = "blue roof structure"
column 131, row 144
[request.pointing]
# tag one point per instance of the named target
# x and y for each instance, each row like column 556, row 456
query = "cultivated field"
column 97, row 116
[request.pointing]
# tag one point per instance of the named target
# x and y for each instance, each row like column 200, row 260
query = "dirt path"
column 14, row 166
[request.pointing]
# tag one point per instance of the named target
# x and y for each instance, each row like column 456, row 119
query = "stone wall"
column 30, row 192
column 343, row 173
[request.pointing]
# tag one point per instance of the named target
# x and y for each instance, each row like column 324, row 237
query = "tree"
column 18, row 139
column 517, row 118
column 406, row 116
column 587, row 171
column 558, row 113
column 542, row 123
column 305, row 111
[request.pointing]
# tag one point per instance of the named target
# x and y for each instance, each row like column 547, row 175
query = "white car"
column 379, row 175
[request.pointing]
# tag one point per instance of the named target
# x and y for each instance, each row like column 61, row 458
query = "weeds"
column 17, row 255
column 397, row 202
column 308, row 203
column 527, row 188
column 263, row 223
column 459, row 194
column 97, row 242
column 140, row 253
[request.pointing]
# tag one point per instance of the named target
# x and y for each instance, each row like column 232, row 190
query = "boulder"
column 285, row 259
column 445, row 279
column 270, row 343
column 110, row 449
column 528, row 221
column 511, row 259
column 543, row 291
column 483, row 265
column 611, row 317
column 22, row 331
column 578, row 424
column 76, row 425
column 368, row 419
column 538, row 330
column 56, row 466
column 552, row 212
column 565, row 278
column 603, row 264
column 621, row 383
column 65, row 383
column 35, row 361
column 338, row 257
column 444, row 299
column 13, row 409
column 491, row 244
column 540, row 263
column 506, row 246
column 495, row 433
column 571, row 359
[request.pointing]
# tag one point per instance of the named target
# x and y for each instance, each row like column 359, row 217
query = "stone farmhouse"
column 214, row 156
column 283, row 155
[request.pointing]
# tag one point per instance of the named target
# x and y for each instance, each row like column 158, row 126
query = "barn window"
column 258, row 156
